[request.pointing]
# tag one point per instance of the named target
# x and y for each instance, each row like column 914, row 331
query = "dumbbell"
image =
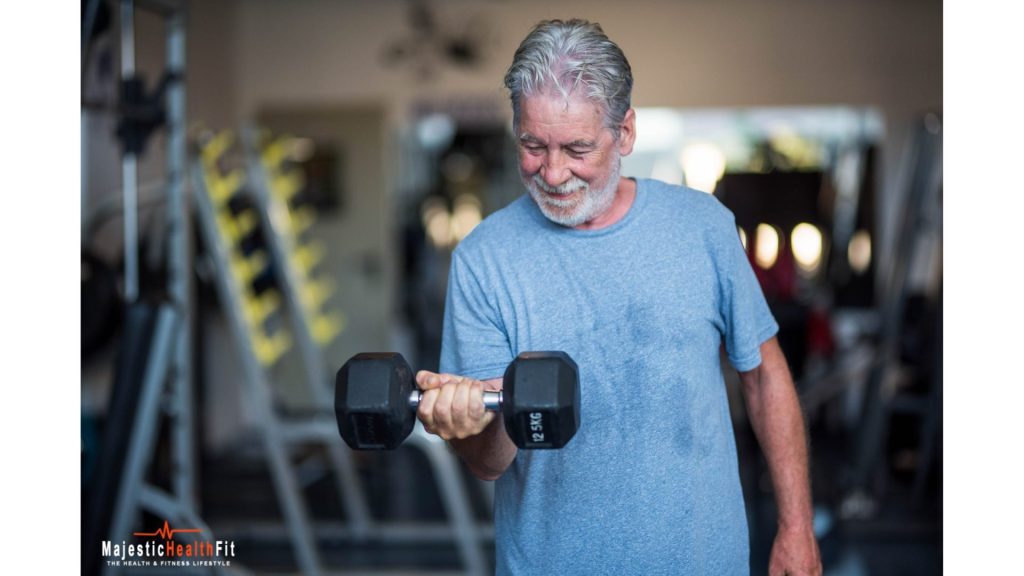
column 375, row 400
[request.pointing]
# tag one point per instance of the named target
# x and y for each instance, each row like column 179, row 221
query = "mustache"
column 571, row 185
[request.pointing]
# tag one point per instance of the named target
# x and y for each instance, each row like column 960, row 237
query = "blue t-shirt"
column 649, row 484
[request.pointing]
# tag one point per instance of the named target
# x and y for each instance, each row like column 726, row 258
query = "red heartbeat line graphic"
column 167, row 532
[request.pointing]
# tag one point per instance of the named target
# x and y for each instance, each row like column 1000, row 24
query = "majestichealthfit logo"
column 163, row 548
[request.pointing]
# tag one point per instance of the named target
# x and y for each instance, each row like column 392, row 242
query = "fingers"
column 475, row 400
column 460, row 400
column 425, row 412
column 430, row 384
column 452, row 407
column 443, row 411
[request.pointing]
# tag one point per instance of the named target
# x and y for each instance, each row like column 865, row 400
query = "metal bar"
column 88, row 22
column 348, row 485
column 492, row 400
column 179, row 277
column 129, row 173
column 144, row 430
column 127, row 38
column 129, row 167
column 314, row 429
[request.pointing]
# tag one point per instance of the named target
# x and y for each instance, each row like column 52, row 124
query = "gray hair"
column 566, row 55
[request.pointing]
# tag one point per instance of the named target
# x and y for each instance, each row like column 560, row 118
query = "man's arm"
column 778, row 423
column 453, row 408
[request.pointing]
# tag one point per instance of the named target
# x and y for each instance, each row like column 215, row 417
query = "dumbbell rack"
column 274, row 184
column 314, row 322
column 259, row 346
column 303, row 297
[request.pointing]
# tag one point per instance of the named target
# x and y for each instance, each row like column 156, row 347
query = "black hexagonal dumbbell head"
column 541, row 403
column 371, row 401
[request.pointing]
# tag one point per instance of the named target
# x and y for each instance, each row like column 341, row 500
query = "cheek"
column 586, row 172
column 529, row 164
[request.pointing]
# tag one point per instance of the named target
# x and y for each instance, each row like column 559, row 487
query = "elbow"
column 485, row 470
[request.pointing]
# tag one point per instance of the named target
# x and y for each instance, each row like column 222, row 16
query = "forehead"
column 553, row 116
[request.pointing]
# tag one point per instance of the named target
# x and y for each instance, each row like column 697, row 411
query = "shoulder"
column 698, row 209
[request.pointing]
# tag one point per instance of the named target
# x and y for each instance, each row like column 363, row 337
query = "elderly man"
column 642, row 283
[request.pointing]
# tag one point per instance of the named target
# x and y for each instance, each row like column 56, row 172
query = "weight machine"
column 154, row 367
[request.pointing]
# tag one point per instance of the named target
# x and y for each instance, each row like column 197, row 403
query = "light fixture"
column 858, row 252
column 806, row 242
column 766, row 246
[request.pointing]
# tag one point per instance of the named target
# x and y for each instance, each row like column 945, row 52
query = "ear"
column 627, row 133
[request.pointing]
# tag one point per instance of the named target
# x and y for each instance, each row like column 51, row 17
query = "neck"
column 625, row 193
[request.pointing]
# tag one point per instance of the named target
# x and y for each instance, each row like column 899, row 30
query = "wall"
column 698, row 53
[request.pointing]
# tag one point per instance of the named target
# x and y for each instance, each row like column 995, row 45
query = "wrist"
column 802, row 523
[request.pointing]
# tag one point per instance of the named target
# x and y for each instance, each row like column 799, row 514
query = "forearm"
column 488, row 454
column 778, row 423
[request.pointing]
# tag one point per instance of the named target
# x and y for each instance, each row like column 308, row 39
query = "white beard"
column 586, row 206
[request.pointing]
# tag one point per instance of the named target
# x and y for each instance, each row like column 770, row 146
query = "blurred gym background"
column 268, row 188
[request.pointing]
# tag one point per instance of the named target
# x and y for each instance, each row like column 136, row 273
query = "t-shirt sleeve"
column 747, row 322
column 474, row 342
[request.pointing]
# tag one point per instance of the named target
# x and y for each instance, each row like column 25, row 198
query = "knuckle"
column 442, row 411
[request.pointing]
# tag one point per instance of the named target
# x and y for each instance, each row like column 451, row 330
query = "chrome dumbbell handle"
column 492, row 400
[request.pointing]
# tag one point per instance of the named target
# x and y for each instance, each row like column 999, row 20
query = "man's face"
column 568, row 159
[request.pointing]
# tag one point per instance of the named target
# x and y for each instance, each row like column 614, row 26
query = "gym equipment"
column 376, row 397
column 276, row 182
column 154, row 367
column 921, row 214
column 259, row 347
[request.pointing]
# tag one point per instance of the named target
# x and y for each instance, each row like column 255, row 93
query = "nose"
column 554, row 170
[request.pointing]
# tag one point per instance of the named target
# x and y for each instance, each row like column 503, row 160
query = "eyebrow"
column 530, row 139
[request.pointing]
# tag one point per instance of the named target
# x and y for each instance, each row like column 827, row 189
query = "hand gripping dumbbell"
column 375, row 400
